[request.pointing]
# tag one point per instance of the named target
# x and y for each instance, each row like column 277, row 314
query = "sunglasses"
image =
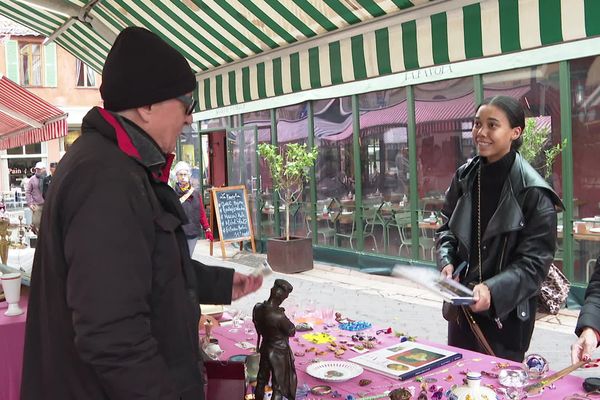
column 189, row 102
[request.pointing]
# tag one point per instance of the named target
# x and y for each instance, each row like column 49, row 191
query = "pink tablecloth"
column 12, row 338
column 445, row 376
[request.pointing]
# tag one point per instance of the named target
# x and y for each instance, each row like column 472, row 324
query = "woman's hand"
column 483, row 298
column 582, row 349
column 447, row 272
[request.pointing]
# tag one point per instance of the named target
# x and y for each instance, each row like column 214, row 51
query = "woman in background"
column 500, row 218
column 191, row 201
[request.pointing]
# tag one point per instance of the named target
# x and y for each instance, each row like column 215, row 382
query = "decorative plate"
column 334, row 371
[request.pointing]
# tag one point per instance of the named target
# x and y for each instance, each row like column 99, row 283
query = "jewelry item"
column 320, row 390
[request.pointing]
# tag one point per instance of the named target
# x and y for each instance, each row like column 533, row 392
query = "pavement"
column 384, row 301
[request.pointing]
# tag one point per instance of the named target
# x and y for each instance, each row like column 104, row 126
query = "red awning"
column 25, row 118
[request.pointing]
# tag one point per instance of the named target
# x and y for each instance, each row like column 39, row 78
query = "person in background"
column 34, row 195
column 48, row 179
column 191, row 201
column 115, row 298
column 588, row 323
column 500, row 221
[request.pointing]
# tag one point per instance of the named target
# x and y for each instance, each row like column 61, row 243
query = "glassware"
column 327, row 313
column 235, row 313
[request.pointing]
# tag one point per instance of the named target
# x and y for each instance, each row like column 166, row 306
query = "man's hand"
column 447, row 271
column 582, row 349
column 33, row 207
column 245, row 284
column 483, row 298
column 209, row 235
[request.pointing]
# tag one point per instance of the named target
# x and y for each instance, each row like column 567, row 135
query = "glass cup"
column 327, row 313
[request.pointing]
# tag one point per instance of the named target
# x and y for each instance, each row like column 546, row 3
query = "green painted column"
column 313, row 174
column 564, row 76
column 257, row 192
column 276, row 216
column 413, row 183
column 478, row 89
column 358, row 214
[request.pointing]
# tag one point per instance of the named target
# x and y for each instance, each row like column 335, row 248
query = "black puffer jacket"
column 517, row 247
column 113, row 308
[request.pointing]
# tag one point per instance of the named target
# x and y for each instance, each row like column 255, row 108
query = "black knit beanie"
column 142, row 69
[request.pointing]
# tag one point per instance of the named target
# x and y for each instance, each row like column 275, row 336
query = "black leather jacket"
column 519, row 242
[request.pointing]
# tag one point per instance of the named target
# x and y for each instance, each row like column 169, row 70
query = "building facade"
column 56, row 76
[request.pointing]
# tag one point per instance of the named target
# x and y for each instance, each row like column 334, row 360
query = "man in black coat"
column 588, row 323
column 114, row 303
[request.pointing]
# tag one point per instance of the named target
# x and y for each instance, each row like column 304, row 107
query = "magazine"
column 405, row 360
column 429, row 278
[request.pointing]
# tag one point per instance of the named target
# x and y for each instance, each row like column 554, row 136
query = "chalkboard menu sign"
column 230, row 207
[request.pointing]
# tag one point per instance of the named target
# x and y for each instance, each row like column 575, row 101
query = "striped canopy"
column 246, row 50
column 26, row 118
column 210, row 33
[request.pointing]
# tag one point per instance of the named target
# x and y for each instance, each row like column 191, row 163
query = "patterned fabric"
column 554, row 290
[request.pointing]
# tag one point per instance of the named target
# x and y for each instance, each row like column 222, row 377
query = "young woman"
column 499, row 218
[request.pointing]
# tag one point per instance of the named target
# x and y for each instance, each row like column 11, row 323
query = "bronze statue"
column 276, row 357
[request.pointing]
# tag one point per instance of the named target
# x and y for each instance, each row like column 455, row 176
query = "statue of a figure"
column 276, row 357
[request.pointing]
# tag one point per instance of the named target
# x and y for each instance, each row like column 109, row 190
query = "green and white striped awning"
column 245, row 50
column 210, row 33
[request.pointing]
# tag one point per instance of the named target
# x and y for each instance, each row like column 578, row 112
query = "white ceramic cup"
column 11, row 283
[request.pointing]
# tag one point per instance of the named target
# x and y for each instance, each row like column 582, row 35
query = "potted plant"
column 289, row 172
column 537, row 149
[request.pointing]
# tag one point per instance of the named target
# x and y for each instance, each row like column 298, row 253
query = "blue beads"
column 355, row 326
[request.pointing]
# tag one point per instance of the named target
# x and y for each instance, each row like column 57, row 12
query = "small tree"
column 289, row 172
column 536, row 148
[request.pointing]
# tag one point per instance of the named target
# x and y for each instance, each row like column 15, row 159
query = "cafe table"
column 230, row 340
column 12, row 339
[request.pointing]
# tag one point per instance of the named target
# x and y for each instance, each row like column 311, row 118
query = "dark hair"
column 514, row 113
column 52, row 165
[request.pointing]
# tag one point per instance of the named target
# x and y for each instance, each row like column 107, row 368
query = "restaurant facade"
column 390, row 104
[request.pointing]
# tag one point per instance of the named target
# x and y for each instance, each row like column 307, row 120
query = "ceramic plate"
column 334, row 371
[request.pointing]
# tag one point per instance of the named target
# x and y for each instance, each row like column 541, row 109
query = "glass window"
column 85, row 76
column 334, row 170
column 292, row 127
column 34, row 148
column 20, row 170
column 538, row 91
column 190, row 146
column 71, row 137
column 30, row 64
column 384, row 158
column 15, row 150
column 585, row 95
column 444, row 111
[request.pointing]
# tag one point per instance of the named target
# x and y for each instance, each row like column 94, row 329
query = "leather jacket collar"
column 508, row 215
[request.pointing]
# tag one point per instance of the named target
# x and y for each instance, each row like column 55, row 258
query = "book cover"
column 405, row 360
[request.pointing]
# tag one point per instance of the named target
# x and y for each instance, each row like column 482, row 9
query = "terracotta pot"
column 290, row 256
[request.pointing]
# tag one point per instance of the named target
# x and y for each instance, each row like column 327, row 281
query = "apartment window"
column 30, row 63
column 30, row 57
column 86, row 77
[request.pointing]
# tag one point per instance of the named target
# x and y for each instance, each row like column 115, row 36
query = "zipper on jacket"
column 497, row 319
